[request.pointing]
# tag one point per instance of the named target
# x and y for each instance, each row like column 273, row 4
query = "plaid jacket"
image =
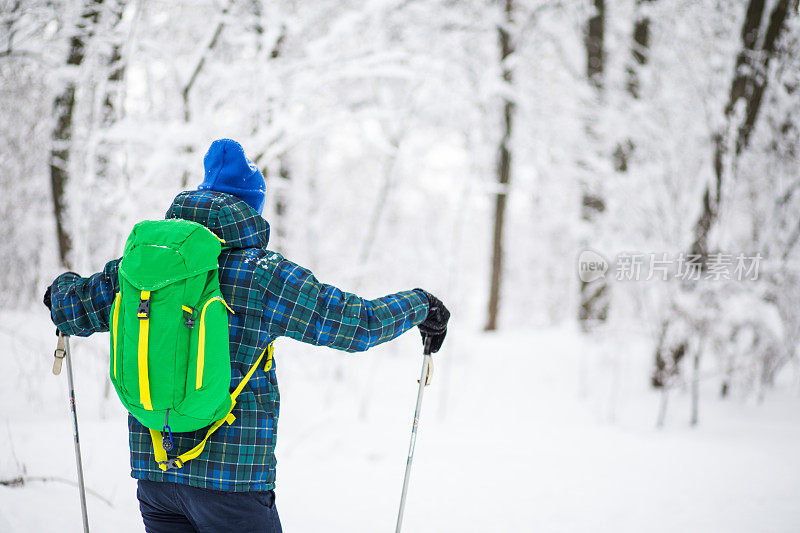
column 271, row 297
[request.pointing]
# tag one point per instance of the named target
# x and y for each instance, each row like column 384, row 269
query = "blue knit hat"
column 228, row 170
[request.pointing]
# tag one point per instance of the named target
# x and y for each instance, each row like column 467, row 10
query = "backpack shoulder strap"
column 158, row 447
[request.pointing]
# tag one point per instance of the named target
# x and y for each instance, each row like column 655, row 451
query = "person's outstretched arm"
column 82, row 306
column 298, row 306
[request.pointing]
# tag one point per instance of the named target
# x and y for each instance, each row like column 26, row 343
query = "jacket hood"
column 228, row 217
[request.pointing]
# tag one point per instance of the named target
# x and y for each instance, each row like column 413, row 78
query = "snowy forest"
column 605, row 194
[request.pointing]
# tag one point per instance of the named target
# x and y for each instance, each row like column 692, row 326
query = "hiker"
column 230, row 485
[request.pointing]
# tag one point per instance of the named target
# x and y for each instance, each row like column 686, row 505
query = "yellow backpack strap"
column 268, row 364
column 158, row 447
column 144, row 333
column 114, row 322
column 178, row 462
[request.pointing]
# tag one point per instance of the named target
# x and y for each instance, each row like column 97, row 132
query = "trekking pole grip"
column 427, row 364
column 427, row 345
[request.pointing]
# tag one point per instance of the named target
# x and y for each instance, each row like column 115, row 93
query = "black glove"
column 435, row 324
column 47, row 300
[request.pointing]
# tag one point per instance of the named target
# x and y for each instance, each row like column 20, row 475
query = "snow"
column 530, row 430
column 377, row 126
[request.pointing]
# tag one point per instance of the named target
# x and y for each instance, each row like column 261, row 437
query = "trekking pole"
column 424, row 380
column 62, row 352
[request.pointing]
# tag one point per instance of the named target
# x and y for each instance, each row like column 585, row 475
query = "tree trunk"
column 639, row 54
column 116, row 69
column 63, row 111
column 503, row 168
column 662, row 408
column 381, row 203
column 668, row 361
column 187, row 89
column 640, row 50
column 112, row 105
column 281, row 192
column 594, row 296
column 696, row 388
column 595, row 44
column 747, row 87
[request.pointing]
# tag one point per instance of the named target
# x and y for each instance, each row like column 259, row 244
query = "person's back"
column 270, row 297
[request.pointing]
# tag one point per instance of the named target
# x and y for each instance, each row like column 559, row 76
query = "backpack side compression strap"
column 144, row 333
column 114, row 323
column 158, row 447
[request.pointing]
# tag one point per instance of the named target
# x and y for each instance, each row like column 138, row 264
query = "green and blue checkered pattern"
column 271, row 297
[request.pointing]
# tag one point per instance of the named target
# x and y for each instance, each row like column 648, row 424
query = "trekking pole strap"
column 61, row 351
column 164, row 463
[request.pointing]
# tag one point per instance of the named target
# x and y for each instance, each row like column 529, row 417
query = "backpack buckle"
column 172, row 464
column 144, row 309
column 188, row 315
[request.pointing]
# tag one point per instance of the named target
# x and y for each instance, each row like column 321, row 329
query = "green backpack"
column 170, row 357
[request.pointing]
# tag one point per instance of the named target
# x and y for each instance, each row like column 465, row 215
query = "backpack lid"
column 160, row 252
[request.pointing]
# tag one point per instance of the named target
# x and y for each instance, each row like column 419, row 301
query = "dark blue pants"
column 176, row 508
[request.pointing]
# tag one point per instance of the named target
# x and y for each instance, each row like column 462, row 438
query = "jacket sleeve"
column 296, row 305
column 82, row 306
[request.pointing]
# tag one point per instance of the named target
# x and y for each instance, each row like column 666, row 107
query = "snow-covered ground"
column 522, row 431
